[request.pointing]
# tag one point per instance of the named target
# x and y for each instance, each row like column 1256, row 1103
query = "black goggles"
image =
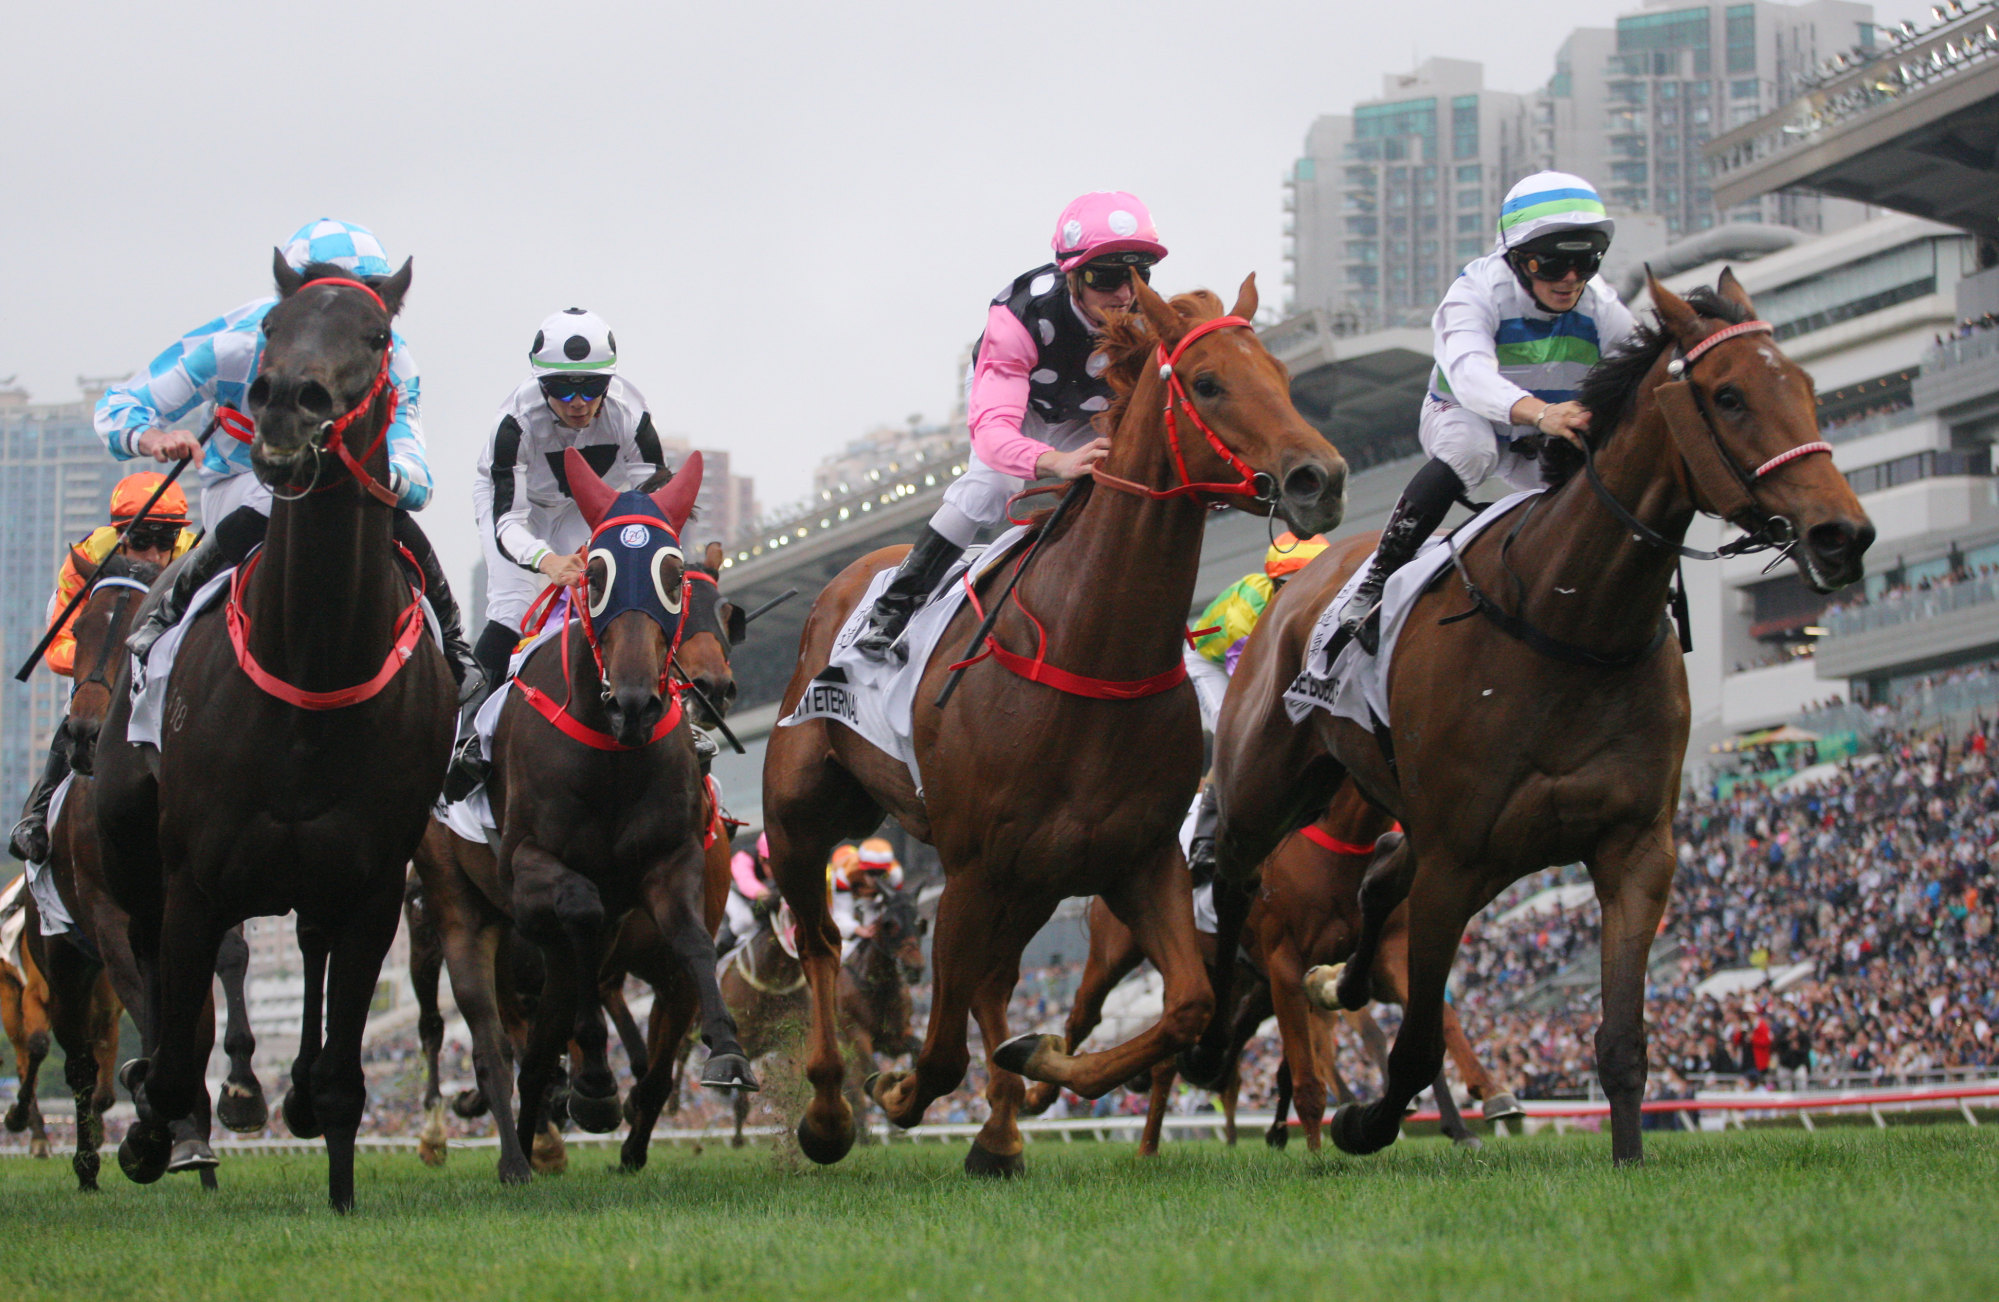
column 574, row 388
column 1556, row 266
column 1108, row 276
column 151, row 535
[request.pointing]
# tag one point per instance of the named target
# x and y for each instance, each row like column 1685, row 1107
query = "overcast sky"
column 792, row 214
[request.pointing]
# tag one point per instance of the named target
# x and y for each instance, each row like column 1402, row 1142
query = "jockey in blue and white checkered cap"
column 1514, row 336
column 213, row 365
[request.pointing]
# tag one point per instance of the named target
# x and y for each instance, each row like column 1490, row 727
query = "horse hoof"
column 1353, row 990
column 17, row 1117
column 550, row 1154
column 143, row 1154
column 431, row 1152
column 1277, row 1137
column 38, row 1147
column 979, row 1161
column 300, row 1118
column 85, row 1165
column 515, row 1172
column 598, row 1116
column 242, row 1108
column 1503, row 1107
column 729, row 1071
column 191, row 1155
column 1321, row 986
column 1018, row 1054
column 469, row 1104
column 1470, row 1143
column 1349, row 1127
column 825, row 1151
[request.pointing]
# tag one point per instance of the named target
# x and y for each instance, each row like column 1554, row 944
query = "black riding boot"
column 469, row 767
column 30, row 840
column 906, row 593
column 1201, row 847
column 465, row 670
column 222, row 546
column 1424, row 504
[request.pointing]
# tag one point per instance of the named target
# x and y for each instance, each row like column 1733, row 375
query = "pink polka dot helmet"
column 1106, row 224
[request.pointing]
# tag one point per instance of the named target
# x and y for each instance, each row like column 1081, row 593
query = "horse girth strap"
column 1554, row 648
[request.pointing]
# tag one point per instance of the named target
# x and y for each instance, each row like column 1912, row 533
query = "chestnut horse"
column 308, row 722
column 24, row 1014
column 1552, row 729
column 1035, row 792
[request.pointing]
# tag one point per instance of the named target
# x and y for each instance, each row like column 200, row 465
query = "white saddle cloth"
column 877, row 698
column 42, row 880
column 1355, row 686
column 472, row 817
column 13, row 921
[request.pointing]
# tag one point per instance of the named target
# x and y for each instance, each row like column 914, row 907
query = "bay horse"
column 24, row 1015
column 308, row 722
column 1064, row 774
column 93, row 976
column 766, row 988
column 1548, row 724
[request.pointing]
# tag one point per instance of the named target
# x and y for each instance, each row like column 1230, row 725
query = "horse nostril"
column 1831, row 541
column 1305, row 483
column 314, row 399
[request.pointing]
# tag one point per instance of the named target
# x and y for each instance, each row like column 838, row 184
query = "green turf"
column 1846, row 1215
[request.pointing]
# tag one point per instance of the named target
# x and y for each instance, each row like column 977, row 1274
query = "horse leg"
column 1383, row 888
column 1439, row 906
column 29, row 1052
column 611, row 995
column 172, row 1087
column 1279, row 1133
column 471, row 950
column 300, row 1117
column 559, row 910
column 72, row 983
column 996, row 1149
column 1633, row 874
column 1449, row 1119
column 649, row 1094
column 242, row 1107
column 1295, row 1030
column 742, row 1111
column 1155, row 903
column 1114, row 955
column 1156, row 1100
column 1497, row 1104
column 339, row 1088
column 674, row 892
column 191, row 1151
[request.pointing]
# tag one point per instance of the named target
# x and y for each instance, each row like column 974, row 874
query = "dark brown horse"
column 1032, row 792
column 766, row 988
column 1551, row 729
column 307, row 728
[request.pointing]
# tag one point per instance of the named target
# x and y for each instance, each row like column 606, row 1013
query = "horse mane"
column 1610, row 390
column 1126, row 345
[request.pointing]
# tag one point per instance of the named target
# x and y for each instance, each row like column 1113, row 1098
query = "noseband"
column 1252, row 484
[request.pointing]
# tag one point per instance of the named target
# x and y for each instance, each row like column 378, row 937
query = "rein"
column 96, row 674
column 411, row 628
column 1258, row 486
column 1327, row 841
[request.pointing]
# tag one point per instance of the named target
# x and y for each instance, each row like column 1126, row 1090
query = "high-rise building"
column 55, row 487
column 725, row 508
column 1388, row 203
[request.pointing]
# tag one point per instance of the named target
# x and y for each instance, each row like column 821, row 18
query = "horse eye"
column 378, row 339
column 1205, row 386
column 1729, row 398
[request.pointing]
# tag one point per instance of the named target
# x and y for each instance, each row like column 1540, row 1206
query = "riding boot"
column 705, row 750
column 1201, row 846
column 30, row 839
column 469, row 766
column 1424, row 504
column 465, row 670
column 921, row 570
column 221, row 547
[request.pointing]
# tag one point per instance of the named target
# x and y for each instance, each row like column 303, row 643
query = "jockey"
column 751, row 895
column 161, row 537
column 530, row 528
column 1515, row 335
column 1233, row 614
column 1033, row 391
column 856, row 874
column 215, row 364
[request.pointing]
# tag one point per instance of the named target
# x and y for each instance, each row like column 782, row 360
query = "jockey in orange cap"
column 161, row 537
column 857, row 875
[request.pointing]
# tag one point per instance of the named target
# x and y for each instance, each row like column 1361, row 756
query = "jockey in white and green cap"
column 1514, row 336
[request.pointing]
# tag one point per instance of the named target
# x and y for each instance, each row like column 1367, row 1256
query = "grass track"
column 1904, row 1213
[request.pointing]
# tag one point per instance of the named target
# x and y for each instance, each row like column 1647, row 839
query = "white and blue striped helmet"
column 352, row 248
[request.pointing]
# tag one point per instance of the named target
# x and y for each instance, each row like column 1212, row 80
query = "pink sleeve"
column 998, row 399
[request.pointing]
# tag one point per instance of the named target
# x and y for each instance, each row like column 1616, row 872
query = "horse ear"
column 592, row 495
column 712, row 556
column 1731, row 290
column 1245, row 299
column 288, row 280
column 1678, row 316
column 393, row 290
column 677, row 498
column 1166, row 323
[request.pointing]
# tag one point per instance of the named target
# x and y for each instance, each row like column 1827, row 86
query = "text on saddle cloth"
column 877, row 698
column 1355, row 686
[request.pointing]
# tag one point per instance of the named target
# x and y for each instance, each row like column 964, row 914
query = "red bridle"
column 1176, row 399
column 410, row 628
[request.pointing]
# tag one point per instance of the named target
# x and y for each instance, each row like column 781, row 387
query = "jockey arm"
column 997, row 401
column 1465, row 328
column 500, row 500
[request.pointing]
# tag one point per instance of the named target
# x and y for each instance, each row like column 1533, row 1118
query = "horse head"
column 117, row 589
column 1761, row 415
column 898, row 930
column 1230, row 425
column 637, row 588
column 325, row 362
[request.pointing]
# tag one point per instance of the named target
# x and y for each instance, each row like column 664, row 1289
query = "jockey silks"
column 1065, row 385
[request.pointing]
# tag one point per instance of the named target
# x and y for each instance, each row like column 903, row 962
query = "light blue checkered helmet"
column 341, row 244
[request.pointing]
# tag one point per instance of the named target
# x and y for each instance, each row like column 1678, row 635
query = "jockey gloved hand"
column 563, row 568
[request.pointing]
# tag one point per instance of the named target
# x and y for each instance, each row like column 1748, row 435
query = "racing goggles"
column 152, row 535
column 1557, row 257
column 574, row 388
column 1108, row 276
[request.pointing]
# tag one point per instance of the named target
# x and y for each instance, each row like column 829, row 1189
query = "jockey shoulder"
column 1236, row 609
column 162, row 537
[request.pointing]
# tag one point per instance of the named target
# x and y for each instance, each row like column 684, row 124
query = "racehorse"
column 601, row 811
column 766, row 988
column 1537, row 701
column 1062, row 774
column 92, row 973
column 24, row 1014
column 306, row 728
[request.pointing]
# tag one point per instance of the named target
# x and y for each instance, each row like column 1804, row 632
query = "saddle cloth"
column 13, row 921
column 1355, row 686
column 877, row 698
column 151, row 676
column 42, row 881
column 472, row 818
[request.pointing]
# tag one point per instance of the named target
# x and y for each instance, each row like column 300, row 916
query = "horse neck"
column 1599, row 585
column 325, row 595
column 1113, row 592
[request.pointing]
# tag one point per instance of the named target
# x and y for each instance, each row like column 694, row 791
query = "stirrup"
column 468, row 772
column 30, row 835
column 151, row 629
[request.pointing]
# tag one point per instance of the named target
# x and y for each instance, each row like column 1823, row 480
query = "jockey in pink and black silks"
column 1033, row 391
